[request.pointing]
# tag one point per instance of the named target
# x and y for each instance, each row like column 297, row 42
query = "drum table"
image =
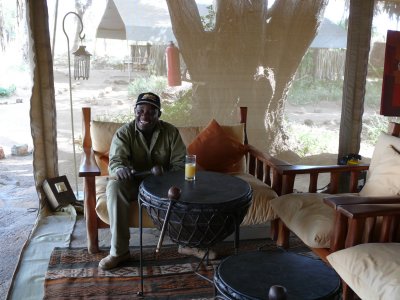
column 209, row 209
column 250, row 275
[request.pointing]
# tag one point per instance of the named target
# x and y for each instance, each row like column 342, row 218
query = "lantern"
column 173, row 65
column 81, row 63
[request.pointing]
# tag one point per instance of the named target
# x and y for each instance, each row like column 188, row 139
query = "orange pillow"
column 215, row 149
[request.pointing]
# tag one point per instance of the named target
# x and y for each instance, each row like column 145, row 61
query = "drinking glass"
column 190, row 167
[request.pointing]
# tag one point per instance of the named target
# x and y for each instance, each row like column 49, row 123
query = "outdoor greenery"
column 177, row 112
column 374, row 92
column 176, row 107
column 374, row 125
column 117, row 118
column 209, row 19
column 308, row 91
column 156, row 84
column 7, row 91
column 306, row 140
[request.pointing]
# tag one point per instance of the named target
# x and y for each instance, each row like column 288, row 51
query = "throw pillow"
column 384, row 171
column 215, row 149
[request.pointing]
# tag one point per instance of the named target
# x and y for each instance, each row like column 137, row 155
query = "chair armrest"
column 88, row 166
column 366, row 210
column 263, row 166
column 376, row 219
column 336, row 201
column 289, row 172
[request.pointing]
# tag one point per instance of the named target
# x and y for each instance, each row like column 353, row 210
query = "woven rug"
column 73, row 273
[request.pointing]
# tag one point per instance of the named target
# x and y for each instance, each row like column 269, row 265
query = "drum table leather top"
column 209, row 209
column 250, row 275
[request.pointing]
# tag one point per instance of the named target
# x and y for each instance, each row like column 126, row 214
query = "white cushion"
column 372, row 270
column 260, row 210
column 307, row 216
column 384, row 171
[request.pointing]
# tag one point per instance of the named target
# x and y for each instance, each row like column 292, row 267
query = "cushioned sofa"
column 221, row 148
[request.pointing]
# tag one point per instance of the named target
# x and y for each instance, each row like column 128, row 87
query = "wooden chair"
column 260, row 167
column 282, row 203
column 363, row 269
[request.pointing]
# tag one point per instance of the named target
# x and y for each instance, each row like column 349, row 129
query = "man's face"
column 146, row 117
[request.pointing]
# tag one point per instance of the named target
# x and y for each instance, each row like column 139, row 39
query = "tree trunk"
column 2, row 30
column 249, row 59
column 80, row 9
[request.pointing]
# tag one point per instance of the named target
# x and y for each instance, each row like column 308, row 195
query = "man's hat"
column 149, row 98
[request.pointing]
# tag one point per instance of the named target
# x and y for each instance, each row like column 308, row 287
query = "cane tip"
column 174, row 193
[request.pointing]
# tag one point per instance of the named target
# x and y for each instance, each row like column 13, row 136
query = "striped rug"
column 73, row 273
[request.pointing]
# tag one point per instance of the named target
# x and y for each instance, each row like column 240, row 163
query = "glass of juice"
column 190, row 167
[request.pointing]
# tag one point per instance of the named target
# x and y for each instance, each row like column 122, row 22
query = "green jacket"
column 129, row 148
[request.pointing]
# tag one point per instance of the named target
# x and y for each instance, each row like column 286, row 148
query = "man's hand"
column 125, row 173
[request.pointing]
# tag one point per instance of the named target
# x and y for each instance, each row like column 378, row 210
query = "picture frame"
column 390, row 98
column 59, row 192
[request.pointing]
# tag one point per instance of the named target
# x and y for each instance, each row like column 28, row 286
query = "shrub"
column 308, row 91
column 178, row 112
column 307, row 140
column 372, row 128
column 7, row 91
column 155, row 84
column 118, row 118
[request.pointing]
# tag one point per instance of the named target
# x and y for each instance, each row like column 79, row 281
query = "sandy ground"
column 105, row 92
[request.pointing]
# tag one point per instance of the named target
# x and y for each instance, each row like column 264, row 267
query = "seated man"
column 137, row 146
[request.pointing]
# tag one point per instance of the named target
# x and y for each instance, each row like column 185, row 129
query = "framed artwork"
column 58, row 192
column 390, row 101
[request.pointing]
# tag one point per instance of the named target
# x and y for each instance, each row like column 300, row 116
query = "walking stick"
column 173, row 195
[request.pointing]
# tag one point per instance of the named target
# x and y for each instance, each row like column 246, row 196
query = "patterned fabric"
column 74, row 273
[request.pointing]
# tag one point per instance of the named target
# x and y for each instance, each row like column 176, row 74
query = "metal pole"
column 70, row 96
column 54, row 30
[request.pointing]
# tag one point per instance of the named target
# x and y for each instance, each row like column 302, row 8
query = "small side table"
column 250, row 275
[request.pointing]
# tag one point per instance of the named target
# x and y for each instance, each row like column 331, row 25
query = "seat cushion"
column 371, row 270
column 307, row 216
column 384, row 172
column 102, row 134
column 101, row 206
column 260, row 211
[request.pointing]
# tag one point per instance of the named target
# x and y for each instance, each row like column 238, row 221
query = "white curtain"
column 43, row 109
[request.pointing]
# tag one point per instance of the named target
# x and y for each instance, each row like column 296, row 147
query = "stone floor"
column 18, row 211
